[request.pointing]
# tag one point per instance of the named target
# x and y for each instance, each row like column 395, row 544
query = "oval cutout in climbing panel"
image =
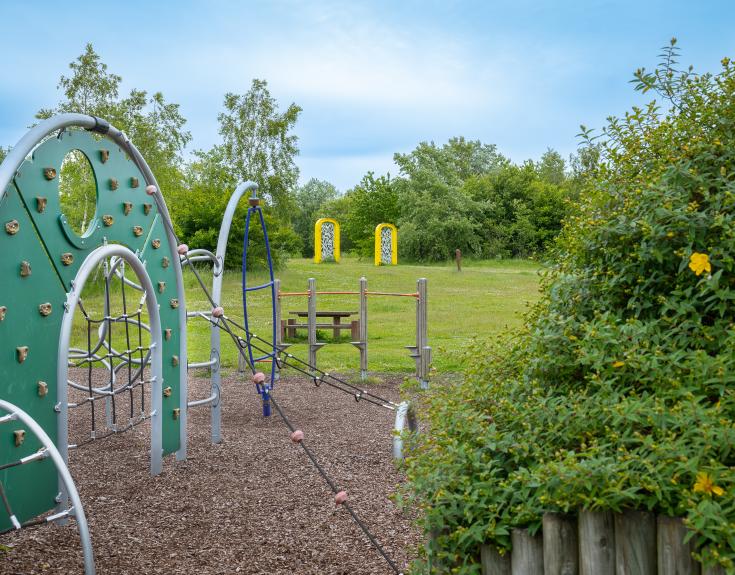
column 78, row 192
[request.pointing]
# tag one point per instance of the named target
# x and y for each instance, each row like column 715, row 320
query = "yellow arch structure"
column 318, row 251
column 393, row 244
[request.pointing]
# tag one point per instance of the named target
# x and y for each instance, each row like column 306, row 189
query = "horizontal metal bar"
column 262, row 286
column 198, row 364
column 198, row 402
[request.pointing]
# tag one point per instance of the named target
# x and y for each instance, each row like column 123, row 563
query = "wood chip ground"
column 251, row 504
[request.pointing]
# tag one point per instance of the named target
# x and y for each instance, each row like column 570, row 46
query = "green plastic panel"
column 42, row 239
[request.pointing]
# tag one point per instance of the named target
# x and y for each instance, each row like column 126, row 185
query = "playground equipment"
column 420, row 352
column 46, row 266
column 386, row 245
column 326, row 240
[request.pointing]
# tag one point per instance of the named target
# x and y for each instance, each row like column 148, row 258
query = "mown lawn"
column 485, row 298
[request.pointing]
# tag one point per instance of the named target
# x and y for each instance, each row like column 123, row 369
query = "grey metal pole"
column 422, row 339
column 363, row 329
column 311, row 322
column 64, row 476
column 279, row 342
column 214, row 331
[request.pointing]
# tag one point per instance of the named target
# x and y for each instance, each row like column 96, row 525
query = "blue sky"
column 373, row 78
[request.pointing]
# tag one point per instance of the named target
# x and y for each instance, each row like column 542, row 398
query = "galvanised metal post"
column 311, row 323
column 279, row 342
column 422, row 339
column 363, row 329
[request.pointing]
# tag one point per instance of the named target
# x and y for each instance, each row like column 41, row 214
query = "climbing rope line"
column 100, row 349
column 332, row 485
column 223, row 323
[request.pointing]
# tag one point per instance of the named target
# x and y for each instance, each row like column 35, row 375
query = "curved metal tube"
column 405, row 418
column 76, row 503
column 72, row 300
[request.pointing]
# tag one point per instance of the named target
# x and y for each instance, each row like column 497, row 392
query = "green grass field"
column 484, row 299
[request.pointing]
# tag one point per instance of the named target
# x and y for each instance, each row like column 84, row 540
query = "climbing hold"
column 67, row 259
column 114, row 184
column 156, row 243
column 49, row 173
column 177, row 413
column 21, row 353
column 182, row 249
column 3, row 310
column 44, row 309
column 42, row 388
column 134, row 183
column 137, row 231
column 218, row 312
column 258, row 377
column 12, row 227
column 151, row 190
column 340, row 497
column 161, row 287
column 167, row 334
column 25, row 269
column 127, row 208
column 108, row 220
column 164, row 262
column 297, row 436
column 19, row 435
column 147, row 208
column 41, row 203
column 167, row 391
column 104, row 156
column 175, row 360
column 174, row 302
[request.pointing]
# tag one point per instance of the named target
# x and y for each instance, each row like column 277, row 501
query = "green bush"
column 619, row 394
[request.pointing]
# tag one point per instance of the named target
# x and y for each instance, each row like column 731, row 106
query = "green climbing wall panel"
column 39, row 258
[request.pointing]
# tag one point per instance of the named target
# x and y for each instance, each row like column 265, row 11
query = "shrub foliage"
column 619, row 394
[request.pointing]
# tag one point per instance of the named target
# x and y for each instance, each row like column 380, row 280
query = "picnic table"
column 288, row 329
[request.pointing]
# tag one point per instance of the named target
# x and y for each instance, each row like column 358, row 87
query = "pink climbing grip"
column 340, row 498
column 151, row 190
column 259, row 377
column 297, row 436
column 182, row 249
column 218, row 312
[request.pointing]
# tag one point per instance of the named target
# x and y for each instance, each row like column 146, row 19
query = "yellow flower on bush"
column 704, row 484
column 618, row 363
column 699, row 263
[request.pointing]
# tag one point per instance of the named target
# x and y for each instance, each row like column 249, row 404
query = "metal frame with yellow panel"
column 379, row 244
column 319, row 229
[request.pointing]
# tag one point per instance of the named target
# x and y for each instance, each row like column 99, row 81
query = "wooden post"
column 635, row 543
column 717, row 570
column 527, row 557
column 493, row 563
column 458, row 259
column 674, row 556
column 561, row 549
column 596, row 543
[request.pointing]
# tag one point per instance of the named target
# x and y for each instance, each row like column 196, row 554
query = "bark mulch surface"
column 251, row 504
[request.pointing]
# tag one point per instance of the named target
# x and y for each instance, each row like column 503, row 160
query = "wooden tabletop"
column 325, row 313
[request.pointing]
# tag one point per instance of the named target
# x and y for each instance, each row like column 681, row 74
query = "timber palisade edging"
column 599, row 543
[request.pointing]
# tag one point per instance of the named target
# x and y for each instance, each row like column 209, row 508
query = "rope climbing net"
column 111, row 368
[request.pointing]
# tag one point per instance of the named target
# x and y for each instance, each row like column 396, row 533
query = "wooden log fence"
column 598, row 543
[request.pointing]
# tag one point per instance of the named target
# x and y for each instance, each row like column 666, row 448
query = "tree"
column 257, row 144
column 373, row 201
column 155, row 126
column 310, row 199
column 551, row 167
column 3, row 152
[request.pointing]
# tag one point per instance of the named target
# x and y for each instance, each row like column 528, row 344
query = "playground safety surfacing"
column 252, row 504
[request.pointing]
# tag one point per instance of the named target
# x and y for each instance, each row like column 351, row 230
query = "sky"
column 373, row 78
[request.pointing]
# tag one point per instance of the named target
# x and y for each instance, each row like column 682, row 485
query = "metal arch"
column 265, row 388
column 33, row 138
column 65, row 477
column 405, row 420
column 87, row 268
